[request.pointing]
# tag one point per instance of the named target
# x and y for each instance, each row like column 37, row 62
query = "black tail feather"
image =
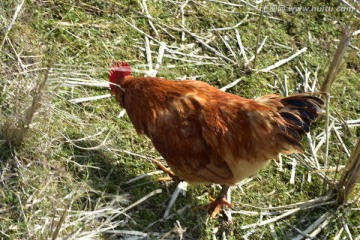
column 305, row 102
column 295, row 121
column 299, row 112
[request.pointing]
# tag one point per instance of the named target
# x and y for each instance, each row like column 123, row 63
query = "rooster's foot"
column 215, row 206
column 171, row 175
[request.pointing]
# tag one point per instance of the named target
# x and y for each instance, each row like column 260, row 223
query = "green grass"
column 74, row 159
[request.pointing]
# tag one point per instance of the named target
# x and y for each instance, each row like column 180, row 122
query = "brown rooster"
column 209, row 136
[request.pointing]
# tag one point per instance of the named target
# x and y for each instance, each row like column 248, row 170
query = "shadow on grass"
column 109, row 175
column 13, row 219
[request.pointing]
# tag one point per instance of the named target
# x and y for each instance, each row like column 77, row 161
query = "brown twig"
column 336, row 62
column 350, row 176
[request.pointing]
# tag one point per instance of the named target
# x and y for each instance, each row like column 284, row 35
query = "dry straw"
column 351, row 173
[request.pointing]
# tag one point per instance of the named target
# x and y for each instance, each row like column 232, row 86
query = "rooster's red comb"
column 119, row 71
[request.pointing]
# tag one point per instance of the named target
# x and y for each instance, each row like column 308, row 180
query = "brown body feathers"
column 209, row 136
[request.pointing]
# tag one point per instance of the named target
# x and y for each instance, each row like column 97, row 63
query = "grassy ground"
column 65, row 166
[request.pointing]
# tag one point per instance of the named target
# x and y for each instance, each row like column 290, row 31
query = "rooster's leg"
column 171, row 177
column 218, row 203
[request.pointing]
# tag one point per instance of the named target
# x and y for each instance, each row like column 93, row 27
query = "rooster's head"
column 118, row 72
